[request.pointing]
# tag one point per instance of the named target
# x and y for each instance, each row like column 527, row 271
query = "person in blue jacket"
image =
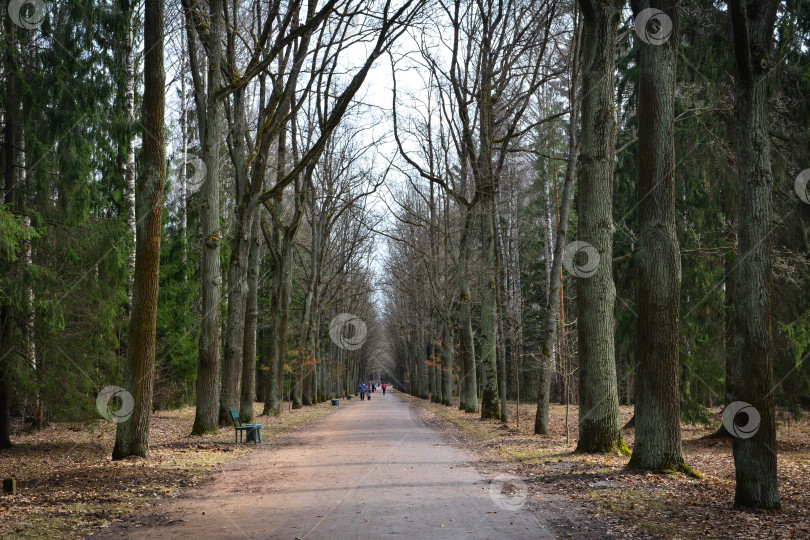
column 362, row 391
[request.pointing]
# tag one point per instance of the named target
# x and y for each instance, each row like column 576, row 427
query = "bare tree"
column 495, row 69
column 553, row 320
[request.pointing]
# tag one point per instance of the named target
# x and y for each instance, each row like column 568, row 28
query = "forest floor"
column 68, row 486
column 642, row 504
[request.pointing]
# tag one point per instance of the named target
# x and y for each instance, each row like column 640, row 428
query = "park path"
column 372, row 469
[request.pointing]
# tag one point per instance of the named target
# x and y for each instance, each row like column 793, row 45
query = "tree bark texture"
column 132, row 435
column 755, row 456
column 599, row 422
column 208, row 367
column 248, row 389
column 657, row 260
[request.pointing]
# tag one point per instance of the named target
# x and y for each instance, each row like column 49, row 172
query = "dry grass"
column 69, row 487
column 645, row 504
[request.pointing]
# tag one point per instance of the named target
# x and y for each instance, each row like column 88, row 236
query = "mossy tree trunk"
column 657, row 260
column 599, row 421
column 209, row 112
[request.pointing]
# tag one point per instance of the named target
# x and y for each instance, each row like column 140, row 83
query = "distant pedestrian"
column 362, row 391
column 384, row 386
column 373, row 387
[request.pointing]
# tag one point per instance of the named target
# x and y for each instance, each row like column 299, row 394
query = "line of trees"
column 604, row 216
column 586, row 201
column 177, row 190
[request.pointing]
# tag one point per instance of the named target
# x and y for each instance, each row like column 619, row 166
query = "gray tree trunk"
column 208, row 374
column 754, row 457
column 658, row 259
column 599, row 421
column 237, row 269
column 447, row 364
column 271, row 402
column 490, row 403
column 486, row 186
column 468, row 393
column 248, row 389
column 274, row 389
column 501, row 340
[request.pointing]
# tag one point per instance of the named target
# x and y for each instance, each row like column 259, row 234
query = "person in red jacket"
column 384, row 386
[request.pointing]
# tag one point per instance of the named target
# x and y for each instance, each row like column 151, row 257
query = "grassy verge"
column 69, row 487
column 674, row 505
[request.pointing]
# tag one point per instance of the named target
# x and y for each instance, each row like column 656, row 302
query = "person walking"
column 362, row 391
column 384, row 386
column 369, row 390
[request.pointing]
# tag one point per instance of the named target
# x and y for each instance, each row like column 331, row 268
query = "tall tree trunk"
column 248, row 389
column 208, row 374
column 10, row 176
column 271, row 402
column 129, row 166
column 237, row 269
column 468, row 393
column 490, row 403
column 754, row 456
column 658, row 259
column 283, row 293
column 273, row 399
column 306, row 353
column 729, row 209
column 501, row 341
column 447, row 363
column 487, row 186
column 132, row 435
column 599, row 421
column 184, row 163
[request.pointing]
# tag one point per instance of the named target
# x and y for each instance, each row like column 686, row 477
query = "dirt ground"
column 396, row 465
column 68, row 487
column 633, row 504
column 372, row 469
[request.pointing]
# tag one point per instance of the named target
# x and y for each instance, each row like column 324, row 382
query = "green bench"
column 254, row 431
